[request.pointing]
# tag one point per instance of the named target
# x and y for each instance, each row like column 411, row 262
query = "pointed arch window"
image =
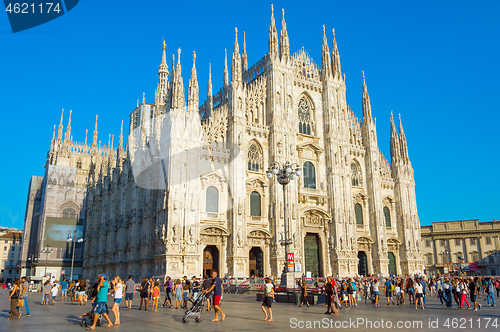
column 357, row 179
column 212, row 199
column 358, row 211
column 387, row 215
column 309, row 175
column 254, row 158
column 69, row 213
column 255, row 209
column 79, row 164
column 305, row 122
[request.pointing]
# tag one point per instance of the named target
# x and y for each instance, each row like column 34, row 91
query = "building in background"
column 10, row 254
column 466, row 247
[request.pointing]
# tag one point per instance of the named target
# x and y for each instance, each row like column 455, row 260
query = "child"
column 397, row 290
column 54, row 290
column 156, row 295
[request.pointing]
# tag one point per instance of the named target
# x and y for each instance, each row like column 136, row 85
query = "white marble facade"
column 283, row 108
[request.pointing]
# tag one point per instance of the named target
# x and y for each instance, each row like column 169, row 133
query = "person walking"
column 473, row 289
column 389, row 290
column 168, row 289
column 419, row 292
column 462, row 289
column 101, row 300
column 155, row 295
column 268, row 300
column 144, row 293
column 54, row 290
column 376, row 291
column 129, row 292
column 118, row 291
column 410, row 290
column 195, row 288
column 303, row 299
column 218, row 291
column 64, row 289
column 447, row 292
column 151, row 284
column 490, row 289
column 329, row 295
column 24, row 295
column 497, row 286
column 80, row 290
column 205, row 286
column 46, row 293
column 14, row 299
column 178, row 293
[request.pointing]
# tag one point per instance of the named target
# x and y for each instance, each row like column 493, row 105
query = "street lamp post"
column 46, row 251
column 72, row 238
column 284, row 174
column 448, row 257
column 32, row 259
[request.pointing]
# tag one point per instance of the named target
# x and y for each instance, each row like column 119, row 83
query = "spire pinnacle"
column 244, row 55
column 367, row 109
column 144, row 97
column 325, row 58
column 178, row 85
column 395, row 148
column 273, row 37
column 54, row 134
column 402, row 141
column 86, row 134
column 236, row 67
column 161, row 89
column 67, row 136
column 60, row 129
column 94, row 138
column 337, row 73
column 193, row 98
column 285, row 44
column 209, row 87
column 226, row 74
column 119, row 150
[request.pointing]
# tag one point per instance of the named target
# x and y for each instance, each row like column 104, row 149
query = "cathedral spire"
column 94, row 138
column 402, row 142
column 285, row 44
column 236, row 66
column 60, row 129
column 161, row 89
column 168, row 97
column 367, row 108
column 178, row 86
column 395, row 149
column 208, row 109
column 325, row 58
column 244, row 55
column 226, row 73
column 273, row 38
column 337, row 73
column 193, row 97
column 67, row 135
column 86, row 134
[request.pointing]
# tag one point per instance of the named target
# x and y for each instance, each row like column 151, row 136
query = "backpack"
column 391, row 287
column 354, row 288
column 349, row 288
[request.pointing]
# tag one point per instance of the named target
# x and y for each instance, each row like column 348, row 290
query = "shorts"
column 268, row 301
column 195, row 296
column 54, row 297
column 473, row 298
column 64, row 291
column 217, row 299
column 129, row 296
column 144, row 295
column 155, row 297
column 100, row 308
column 388, row 294
column 82, row 293
column 420, row 295
column 118, row 301
column 376, row 293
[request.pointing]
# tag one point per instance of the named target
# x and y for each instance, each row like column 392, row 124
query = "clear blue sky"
column 435, row 62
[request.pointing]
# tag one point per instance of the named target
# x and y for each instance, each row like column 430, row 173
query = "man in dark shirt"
column 329, row 294
column 473, row 289
column 196, row 288
column 218, row 290
column 205, row 286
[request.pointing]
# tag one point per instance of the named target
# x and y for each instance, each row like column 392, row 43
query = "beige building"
column 10, row 255
column 449, row 243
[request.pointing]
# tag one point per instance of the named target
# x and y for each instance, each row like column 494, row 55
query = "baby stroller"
column 88, row 318
column 196, row 308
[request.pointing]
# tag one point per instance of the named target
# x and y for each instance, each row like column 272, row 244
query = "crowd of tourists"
column 340, row 293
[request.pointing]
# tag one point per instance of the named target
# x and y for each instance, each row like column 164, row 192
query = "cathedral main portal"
column 311, row 254
column 210, row 260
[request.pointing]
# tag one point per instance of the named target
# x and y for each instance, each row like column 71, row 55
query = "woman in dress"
column 144, row 293
column 303, row 287
column 118, row 291
column 14, row 299
column 178, row 293
column 156, row 295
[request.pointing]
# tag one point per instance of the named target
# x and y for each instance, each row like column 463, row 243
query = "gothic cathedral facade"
column 189, row 192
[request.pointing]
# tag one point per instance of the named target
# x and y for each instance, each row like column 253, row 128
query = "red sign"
column 289, row 257
column 290, row 267
column 473, row 266
column 62, row 272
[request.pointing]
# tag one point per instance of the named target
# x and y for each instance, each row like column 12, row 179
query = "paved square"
column 244, row 314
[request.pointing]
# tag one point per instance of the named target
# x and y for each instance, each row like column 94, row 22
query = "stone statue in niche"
column 174, row 233
column 191, row 234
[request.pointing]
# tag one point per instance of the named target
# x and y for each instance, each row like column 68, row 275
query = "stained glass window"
column 304, row 117
column 309, row 175
column 255, row 204
column 387, row 215
column 358, row 211
column 254, row 158
column 212, row 200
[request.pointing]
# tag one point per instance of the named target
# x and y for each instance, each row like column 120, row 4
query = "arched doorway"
column 392, row 263
column 312, row 254
column 363, row 264
column 256, row 262
column 210, row 260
